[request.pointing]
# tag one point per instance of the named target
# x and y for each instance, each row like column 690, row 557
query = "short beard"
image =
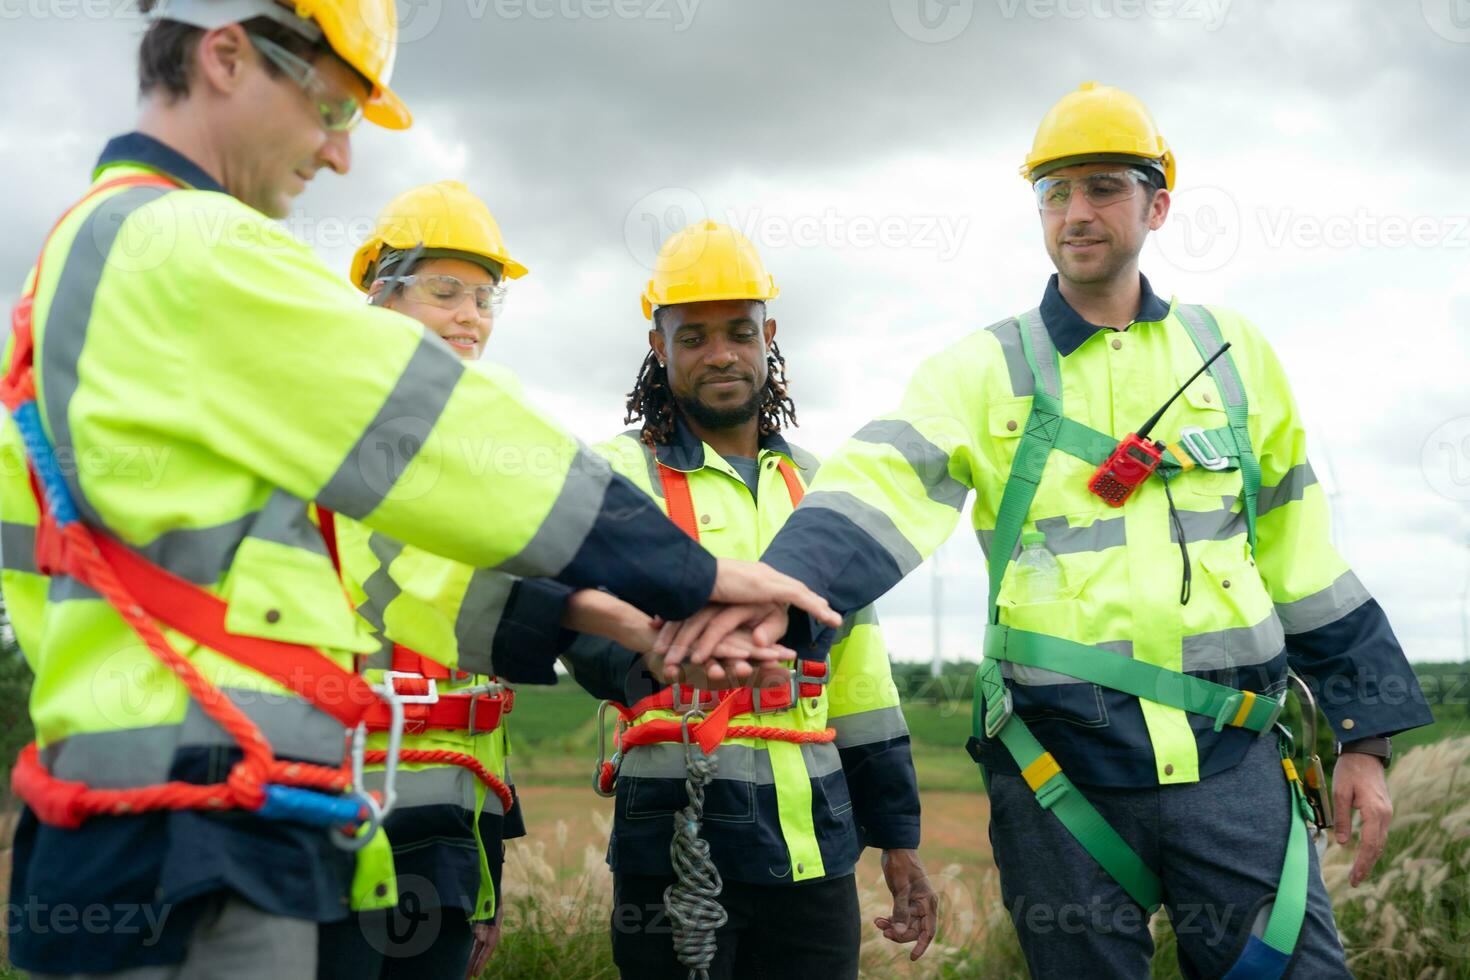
column 720, row 418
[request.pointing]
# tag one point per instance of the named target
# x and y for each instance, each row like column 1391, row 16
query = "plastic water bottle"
column 1038, row 575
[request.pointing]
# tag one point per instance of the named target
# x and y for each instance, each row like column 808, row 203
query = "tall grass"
column 1410, row 921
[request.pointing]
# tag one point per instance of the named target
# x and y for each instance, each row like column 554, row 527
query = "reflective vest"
column 856, row 698
column 434, row 615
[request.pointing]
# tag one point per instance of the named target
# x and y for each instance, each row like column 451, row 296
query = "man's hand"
column 756, row 666
column 718, row 632
column 754, row 583
column 915, row 905
column 1358, row 784
column 487, row 937
column 738, row 657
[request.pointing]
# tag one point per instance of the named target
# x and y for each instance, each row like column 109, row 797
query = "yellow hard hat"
column 444, row 217
column 1098, row 123
column 363, row 33
column 707, row 261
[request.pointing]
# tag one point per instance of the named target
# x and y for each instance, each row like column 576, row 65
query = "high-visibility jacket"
column 447, row 827
column 776, row 812
column 191, row 374
column 895, row 491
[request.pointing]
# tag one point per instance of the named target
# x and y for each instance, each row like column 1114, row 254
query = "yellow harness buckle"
column 1040, row 771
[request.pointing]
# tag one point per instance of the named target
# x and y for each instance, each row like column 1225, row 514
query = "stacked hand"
column 729, row 643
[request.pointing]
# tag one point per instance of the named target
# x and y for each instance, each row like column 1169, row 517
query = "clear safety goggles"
column 448, row 292
column 339, row 113
column 1100, row 189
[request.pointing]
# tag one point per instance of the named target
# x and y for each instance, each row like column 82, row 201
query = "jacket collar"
column 144, row 150
column 686, row 450
column 1070, row 331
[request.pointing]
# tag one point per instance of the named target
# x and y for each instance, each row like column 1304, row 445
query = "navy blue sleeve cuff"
column 601, row 667
column 637, row 553
column 833, row 557
column 529, row 635
column 885, row 792
column 1359, row 675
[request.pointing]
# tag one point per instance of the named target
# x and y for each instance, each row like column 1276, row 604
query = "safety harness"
column 147, row 596
column 475, row 710
column 715, row 708
column 1047, row 429
column 414, row 681
column 692, row 901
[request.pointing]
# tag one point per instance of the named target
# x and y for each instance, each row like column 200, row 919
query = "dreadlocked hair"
column 652, row 401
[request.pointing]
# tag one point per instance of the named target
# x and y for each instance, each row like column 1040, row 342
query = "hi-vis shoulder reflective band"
column 146, row 595
column 1047, row 429
column 808, row 678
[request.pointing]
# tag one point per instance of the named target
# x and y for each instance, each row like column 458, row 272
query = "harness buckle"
column 1193, row 438
column 430, row 696
column 698, row 699
column 995, row 719
column 1278, row 706
column 760, row 697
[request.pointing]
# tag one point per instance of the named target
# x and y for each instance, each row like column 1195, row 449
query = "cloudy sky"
column 870, row 148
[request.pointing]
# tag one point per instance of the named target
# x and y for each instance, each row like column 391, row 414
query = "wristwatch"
column 1378, row 747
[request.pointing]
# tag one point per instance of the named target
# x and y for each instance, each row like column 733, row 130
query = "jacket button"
column 1169, row 769
column 1225, row 584
column 1117, row 344
column 1208, row 399
column 1348, row 723
column 380, row 889
column 487, row 905
column 1011, row 425
column 704, row 519
column 800, row 867
column 272, row 615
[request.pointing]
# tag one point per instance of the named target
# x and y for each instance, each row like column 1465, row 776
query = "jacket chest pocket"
column 280, row 592
column 1063, row 489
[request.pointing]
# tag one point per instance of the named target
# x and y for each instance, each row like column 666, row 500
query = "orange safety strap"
column 680, row 502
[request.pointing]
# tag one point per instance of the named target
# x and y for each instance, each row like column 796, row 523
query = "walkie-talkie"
column 1137, row 456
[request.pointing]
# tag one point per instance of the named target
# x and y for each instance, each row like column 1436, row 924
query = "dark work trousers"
column 411, row 942
column 1218, row 846
column 808, row 931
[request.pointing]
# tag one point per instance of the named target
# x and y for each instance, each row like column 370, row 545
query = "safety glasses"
column 339, row 113
column 448, row 292
column 1100, row 189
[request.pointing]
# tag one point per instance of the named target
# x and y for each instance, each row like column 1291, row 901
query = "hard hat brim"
column 386, row 109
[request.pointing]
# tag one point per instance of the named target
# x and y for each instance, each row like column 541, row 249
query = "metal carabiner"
column 685, row 721
column 357, row 840
column 617, row 757
column 395, row 746
column 1314, row 778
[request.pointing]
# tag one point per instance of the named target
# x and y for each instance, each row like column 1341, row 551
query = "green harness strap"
column 992, row 709
column 1205, row 332
column 1226, row 705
